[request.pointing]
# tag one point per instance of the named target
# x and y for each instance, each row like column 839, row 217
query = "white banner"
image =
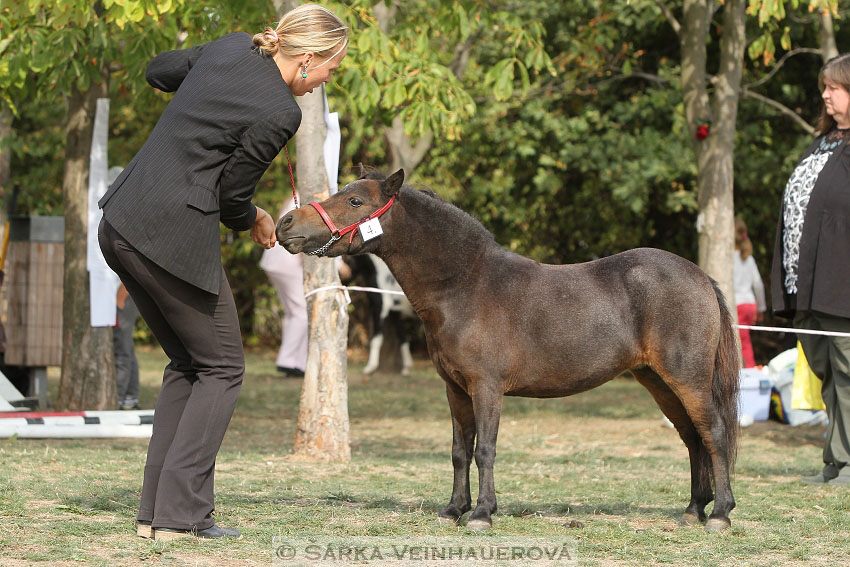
column 103, row 282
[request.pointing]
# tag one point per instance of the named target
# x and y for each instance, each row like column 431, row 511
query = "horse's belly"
column 555, row 386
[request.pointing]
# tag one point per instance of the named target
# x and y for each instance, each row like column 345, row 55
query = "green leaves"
column 770, row 13
column 426, row 68
column 501, row 77
column 764, row 47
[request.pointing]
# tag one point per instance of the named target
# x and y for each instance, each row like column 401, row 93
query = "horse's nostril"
column 285, row 221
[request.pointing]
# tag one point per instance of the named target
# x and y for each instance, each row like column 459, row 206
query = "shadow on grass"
column 602, row 507
column 785, row 435
column 123, row 500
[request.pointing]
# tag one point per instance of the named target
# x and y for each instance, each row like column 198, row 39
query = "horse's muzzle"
column 286, row 236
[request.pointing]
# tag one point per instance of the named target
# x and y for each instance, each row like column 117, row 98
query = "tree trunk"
column 323, row 431
column 88, row 368
column 283, row 6
column 715, row 221
column 716, row 194
column 828, row 47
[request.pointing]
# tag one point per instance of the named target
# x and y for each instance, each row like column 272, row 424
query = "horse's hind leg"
column 701, row 493
column 463, row 443
column 406, row 358
column 375, row 344
column 404, row 344
column 714, row 434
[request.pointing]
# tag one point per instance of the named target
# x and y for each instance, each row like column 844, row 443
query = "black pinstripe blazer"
column 231, row 115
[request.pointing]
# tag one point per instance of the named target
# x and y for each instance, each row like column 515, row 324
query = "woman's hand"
column 263, row 230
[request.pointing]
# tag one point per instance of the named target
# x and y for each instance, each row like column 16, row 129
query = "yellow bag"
column 806, row 390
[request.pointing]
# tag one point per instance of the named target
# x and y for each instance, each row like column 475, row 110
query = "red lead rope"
column 338, row 233
column 291, row 178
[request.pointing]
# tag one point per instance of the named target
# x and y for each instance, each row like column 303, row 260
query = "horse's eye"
column 355, row 202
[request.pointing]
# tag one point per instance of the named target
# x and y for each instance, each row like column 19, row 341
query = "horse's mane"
column 457, row 220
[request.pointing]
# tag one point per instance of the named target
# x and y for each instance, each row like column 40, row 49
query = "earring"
column 304, row 72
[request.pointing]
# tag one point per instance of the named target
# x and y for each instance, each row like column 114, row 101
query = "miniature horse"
column 497, row 323
column 376, row 274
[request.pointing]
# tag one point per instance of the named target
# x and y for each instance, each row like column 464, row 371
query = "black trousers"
column 829, row 359
column 199, row 332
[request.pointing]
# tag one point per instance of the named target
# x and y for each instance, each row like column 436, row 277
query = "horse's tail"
column 725, row 383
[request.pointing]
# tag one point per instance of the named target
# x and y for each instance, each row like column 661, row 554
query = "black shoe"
column 843, row 478
column 212, row 532
column 291, row 372
column 829, row 473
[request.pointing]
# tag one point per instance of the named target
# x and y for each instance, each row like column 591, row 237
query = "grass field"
column 602, row 458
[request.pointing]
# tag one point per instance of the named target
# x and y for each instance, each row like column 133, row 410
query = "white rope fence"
column 354, row 288
column 346, row 289
column 796, row 331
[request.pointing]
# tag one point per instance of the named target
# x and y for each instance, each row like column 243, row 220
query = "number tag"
column 371, row 229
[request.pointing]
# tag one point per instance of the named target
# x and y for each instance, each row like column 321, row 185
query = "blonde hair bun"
column 307, row 28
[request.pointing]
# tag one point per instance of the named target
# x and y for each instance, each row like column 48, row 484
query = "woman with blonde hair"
column 810, row 267
column 232, row 112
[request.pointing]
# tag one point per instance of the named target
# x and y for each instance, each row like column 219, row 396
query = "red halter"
column 337, row 233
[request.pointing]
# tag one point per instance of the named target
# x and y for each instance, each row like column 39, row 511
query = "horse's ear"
column 363, row 171
column 393, row 183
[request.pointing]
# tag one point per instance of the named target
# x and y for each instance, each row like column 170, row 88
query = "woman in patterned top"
column 811, row 262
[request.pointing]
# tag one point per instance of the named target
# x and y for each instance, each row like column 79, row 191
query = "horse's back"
column 655, row 275
column 661, row 293
column 637, row 280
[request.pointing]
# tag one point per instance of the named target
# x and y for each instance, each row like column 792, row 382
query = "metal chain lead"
column 320, row 251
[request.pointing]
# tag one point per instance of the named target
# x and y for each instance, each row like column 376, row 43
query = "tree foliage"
column 407, row 71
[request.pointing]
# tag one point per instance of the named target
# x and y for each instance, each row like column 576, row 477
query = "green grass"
column 602, row 458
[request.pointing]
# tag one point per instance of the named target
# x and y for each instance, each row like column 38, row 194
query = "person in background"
column 749, row 290
column 233, row 111
column 285, row 272
column 126, row 363
column 810, row 275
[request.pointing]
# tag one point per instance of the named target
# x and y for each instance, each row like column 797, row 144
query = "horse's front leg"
column 463, row 442
column 487, row 405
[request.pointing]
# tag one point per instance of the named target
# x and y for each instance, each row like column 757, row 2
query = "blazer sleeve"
column 167, row 70
column 258, row 146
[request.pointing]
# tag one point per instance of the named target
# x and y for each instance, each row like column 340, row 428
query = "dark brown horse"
column 500, row 324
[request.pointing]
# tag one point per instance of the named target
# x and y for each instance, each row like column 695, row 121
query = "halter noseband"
column 337, row 233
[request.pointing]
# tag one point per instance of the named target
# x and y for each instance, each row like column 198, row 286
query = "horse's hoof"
column 447, row 521
column 717, row 524
column 478, row 525
column 688, row 519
